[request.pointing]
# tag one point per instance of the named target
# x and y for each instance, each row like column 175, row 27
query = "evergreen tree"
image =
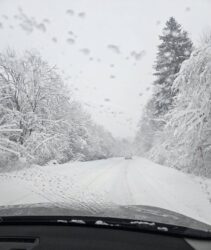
column 175, row 47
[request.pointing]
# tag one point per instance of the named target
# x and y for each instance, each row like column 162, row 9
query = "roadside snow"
column 112, row 181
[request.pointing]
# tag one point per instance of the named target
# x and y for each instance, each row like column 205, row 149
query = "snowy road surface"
column 112, row 181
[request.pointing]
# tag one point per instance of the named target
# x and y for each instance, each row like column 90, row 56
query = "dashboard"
column 61, row 237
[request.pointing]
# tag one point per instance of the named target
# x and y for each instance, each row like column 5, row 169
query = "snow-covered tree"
column 187, row 135
column 39, row 120
column 175, row 48
column 147, row 128
column 7, row 145
column 32, row 98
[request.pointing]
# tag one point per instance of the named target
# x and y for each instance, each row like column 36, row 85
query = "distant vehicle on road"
column 129, row 157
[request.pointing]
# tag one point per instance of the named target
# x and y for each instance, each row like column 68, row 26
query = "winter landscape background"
column 74, row 88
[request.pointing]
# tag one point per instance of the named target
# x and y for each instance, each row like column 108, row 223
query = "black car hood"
column 133, row 212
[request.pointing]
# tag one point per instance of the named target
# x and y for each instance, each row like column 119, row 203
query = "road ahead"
column 112, row 181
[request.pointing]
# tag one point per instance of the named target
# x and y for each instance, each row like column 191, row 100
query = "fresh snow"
column 112, row 181
column 78, row 221
column 142, row 223
column 165, row 229
column 102, row 223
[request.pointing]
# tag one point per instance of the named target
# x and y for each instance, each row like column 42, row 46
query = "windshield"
column 105, row 109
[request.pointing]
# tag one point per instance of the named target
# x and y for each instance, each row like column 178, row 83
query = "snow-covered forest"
column 106, row 108
column 175, row 128
column 40, row 121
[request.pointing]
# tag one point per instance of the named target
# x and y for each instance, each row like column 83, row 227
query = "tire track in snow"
column 93, row 184
column 63, row 188
column 103, row 182
column 118, row 189
column 45, row 191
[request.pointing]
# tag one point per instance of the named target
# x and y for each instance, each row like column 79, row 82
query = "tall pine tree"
column 175, row 47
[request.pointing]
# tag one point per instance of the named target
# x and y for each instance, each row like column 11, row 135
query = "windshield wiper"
column 107, row 222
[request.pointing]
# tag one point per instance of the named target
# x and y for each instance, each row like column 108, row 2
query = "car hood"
column 133, row 212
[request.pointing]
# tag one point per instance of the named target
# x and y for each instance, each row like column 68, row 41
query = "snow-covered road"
column 112, row 181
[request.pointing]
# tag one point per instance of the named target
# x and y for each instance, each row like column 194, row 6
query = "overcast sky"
column 105, row 49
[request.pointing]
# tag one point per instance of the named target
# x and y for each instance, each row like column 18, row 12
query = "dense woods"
column 40, row 121
column 174, row 129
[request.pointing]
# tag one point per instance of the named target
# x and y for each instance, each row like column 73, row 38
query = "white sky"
column 132, row 25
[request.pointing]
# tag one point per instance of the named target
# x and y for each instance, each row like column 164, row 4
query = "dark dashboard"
column 63, row 233
column 85, row 238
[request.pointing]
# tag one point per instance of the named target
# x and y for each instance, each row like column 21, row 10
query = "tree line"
column 39, row 119
column 175, row 127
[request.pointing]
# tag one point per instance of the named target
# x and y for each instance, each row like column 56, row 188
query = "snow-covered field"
column 112, row 181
